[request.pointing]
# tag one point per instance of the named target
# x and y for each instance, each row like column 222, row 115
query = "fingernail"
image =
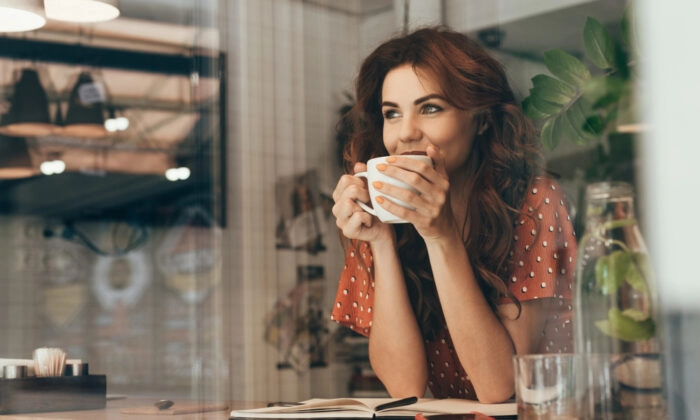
column 381, row 166
column 391, row 159
column 377, row 185
column 380, row 199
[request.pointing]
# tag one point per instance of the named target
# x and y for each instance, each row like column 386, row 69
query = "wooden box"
column 60, row 393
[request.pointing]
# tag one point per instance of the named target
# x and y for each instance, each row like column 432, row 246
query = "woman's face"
column 416, row 115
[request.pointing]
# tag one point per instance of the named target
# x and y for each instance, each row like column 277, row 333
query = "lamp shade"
column 85, row 116
column 21, row 15
column 15, row 161
column 29, row 108
column 82, row 11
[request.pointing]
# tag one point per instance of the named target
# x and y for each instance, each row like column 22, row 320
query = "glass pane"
column 112, row 223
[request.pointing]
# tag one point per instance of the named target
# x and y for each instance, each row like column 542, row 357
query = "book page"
column 318, row 407
column 365, row 408
column 432, row 406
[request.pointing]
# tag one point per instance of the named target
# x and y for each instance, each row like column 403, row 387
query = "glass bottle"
column 616, row 313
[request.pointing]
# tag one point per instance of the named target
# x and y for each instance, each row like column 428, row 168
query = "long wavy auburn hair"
column 502, row 163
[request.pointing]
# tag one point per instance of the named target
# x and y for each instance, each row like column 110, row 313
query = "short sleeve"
column 544, row 246
column 355, row 295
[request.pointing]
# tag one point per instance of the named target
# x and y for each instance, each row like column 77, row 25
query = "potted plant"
column 580, row 105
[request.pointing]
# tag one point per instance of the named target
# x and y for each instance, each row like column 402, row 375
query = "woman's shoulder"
column 544, row 190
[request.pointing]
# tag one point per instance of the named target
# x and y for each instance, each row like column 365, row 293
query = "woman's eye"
column 390, row 114
column 431, row 109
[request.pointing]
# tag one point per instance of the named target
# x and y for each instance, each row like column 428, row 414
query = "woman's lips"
column 414, row 152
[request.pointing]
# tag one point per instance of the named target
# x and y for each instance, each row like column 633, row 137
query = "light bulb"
column 52, row 167
column 177, row 174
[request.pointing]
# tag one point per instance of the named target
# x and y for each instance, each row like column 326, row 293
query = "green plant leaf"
column 625, row 28
column 566, row 67
column 573, row 123
column 531, row 111
column 605, row 327
column 638, row 272
column 542, row 105
column 552, row 90
column 599, row 46
column 606, row 101
column 635, row 314
column 603, row 91
column 580, row 110
column 626, row 328
column 594, row 88
column 548, row 136
column 572, row 133
column 610, row 271
column 594, row 125
column 628, row 31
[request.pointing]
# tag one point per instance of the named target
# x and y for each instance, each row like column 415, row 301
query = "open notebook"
column 372, row 408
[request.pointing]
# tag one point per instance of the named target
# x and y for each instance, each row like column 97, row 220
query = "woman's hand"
column 432, row 216
column 354, row 222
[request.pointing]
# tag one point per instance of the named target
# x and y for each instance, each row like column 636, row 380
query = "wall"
column 292, row 62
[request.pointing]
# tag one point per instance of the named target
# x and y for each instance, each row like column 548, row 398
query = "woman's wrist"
column 451, row 239
column 385, row 240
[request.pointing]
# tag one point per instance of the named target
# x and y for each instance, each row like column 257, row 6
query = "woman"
column 482, row 270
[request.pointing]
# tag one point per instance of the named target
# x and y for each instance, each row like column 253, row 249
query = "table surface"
column 116, row 409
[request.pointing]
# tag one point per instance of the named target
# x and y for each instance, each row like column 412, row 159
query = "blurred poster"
column 296, row 324
column 301, row 220
column 189, row 266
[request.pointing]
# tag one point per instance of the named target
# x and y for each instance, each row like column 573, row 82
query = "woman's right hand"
column 354, row 222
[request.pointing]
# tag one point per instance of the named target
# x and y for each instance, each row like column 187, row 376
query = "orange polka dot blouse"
column 542, row 263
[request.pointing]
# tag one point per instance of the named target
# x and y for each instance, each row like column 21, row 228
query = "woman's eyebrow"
column 428, row 97
column 417, row 101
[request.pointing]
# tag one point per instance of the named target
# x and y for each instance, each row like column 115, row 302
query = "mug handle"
column 364, row 206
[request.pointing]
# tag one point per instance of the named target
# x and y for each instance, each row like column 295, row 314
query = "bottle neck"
column 602, row 211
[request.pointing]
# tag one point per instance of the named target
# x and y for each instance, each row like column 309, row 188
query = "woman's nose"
column 410, row 131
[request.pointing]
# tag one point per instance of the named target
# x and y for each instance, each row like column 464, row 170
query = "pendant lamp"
column 82, row 11
column 15, row 161
column 29, row 108
column 85, row 116
column 21, row 15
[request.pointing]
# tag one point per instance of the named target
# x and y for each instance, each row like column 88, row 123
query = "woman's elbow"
column 495, row 396
column 405, row 389
column 402, row 382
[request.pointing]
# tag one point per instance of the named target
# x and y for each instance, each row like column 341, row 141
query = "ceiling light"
column 21, row 15
column 82, row 11
column 53, row 165
column 177, row 174
column 29, row 108
column 115, row 123
column 15, row 161
column 85, row 116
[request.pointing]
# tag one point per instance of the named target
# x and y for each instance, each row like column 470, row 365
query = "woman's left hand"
column 432, row 216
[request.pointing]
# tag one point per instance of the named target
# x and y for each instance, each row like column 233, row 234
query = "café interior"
column 166, row 176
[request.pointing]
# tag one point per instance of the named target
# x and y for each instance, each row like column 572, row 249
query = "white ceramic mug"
column 372, row 174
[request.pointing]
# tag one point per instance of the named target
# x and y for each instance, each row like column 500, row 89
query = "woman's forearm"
column 481, row 341
column 396, row 348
